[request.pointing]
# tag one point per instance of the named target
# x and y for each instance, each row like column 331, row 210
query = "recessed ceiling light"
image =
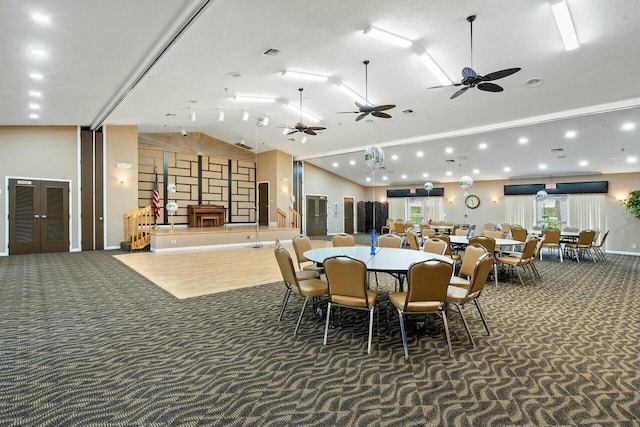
column 39, row 17
column 352, row 162
column 476, row 171
column 368, row 179
column 34, row 116
column 425, row 175
column 394, row 157
column 36, row 76
column 523, row 140
column 483, row 146
column 305, row 76
column 335, row 164
column 507, row 169
column 449, row 173
column 542, row 166
column 420, row 154
column 584, row 163
column 628, row 126
column 34, row 106
column 384, row 178
column 404, row 177
column 449, row 150
column 570, row 134
column 387, row 36
column 35, row 93
column 39, row 52
column 632, row 159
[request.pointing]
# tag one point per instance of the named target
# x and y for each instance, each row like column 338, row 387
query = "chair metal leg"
column 326, row 325
column 484, row 322
column 403, row 332
column 495, row 273
column 519, row 276
column 446, row 331
column 304, row 306
column 371, row 310
column 284, row 303
column 560, row 252
column 466, row 326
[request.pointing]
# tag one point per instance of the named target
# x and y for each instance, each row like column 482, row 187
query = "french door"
column 38, row 216
column 316, row 216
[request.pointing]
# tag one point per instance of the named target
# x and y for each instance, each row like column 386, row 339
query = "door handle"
column 36, row 216
column 100, row 218
column 44, row 217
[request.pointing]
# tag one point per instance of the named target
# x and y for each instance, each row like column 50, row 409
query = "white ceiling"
column 96, row 50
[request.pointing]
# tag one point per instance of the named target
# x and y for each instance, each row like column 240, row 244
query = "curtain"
column 397, row 208
column 586, row 211
column 519, row 210
column 433, row 209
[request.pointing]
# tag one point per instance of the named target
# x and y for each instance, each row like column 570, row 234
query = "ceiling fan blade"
column 381, row 114
column 490, row 87
column 309, row 132
column 293, row 131
column 451, row 85
column 314, row 128
column 499, row 74
column 383, row 107
column 459, row 92
column 347, row 112
column 361, row 116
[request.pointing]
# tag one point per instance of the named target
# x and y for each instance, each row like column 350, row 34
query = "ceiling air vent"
column 450, row 161
column 272, row 52
column 557, row 150
column 242, row 145
column 408, row 112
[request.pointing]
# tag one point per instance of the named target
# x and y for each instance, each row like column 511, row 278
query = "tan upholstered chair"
column 385, row 229
column 489, row 226
column 301, row 244
column 307, row 289
column 347, row 280
column 522, row 260
column 460, row 296
column 301, row 274
column 519, row 234
column 552, row 241
column 426, row 232
column 571, row 229
column 597, row 247
column 390, row 241
column 412, row 238
column 584, row 244
column 489, row 243
column 342, row 239
column 435, row 246
column 426, row 293
column 446, row 238
column 472, row 253
column 398, row 228
column 496, row 234
column 505, row 227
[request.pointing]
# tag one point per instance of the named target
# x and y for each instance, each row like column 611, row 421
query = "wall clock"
column 472, row 201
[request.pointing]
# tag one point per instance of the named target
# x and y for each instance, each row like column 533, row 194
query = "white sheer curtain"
column 519, row 210
column 397, row 208
column 587, row 211
column 433, row 209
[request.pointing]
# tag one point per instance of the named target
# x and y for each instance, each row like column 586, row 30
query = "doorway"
column 263, row 203
column 316, row 215
column 38, row 216
column 348, row 214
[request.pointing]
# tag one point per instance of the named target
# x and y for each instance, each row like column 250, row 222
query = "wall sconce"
column 122, row 179
column 450, row 200
column 285, row 190
column 494, row 200
column 622, row 199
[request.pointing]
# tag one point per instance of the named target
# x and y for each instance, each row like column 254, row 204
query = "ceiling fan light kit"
column 366, row 108
column 301, row 127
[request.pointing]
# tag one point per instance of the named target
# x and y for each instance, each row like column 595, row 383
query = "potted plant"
column 632, row 204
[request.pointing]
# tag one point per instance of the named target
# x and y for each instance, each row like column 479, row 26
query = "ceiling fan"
column 366, row 109
column 472, row 79
column 300, row 127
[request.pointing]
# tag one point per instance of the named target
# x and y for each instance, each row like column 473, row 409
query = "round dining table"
column 464, row 240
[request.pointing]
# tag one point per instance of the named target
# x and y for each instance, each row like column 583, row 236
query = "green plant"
column 633, row 203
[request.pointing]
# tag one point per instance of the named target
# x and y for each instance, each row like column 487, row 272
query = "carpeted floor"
column 87, row 341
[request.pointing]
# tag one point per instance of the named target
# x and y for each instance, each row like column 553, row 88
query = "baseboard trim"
column 226, row 246
column 623, row 253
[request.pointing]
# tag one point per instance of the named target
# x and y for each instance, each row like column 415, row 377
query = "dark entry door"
column 38, row 216
column 263, row 203
column 348, row 215
column 316, row 216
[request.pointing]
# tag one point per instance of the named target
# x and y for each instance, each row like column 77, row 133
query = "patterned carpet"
column 87, row 341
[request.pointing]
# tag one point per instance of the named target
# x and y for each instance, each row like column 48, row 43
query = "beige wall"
column 40, row 152
column 121, row 145
column 319, row 182
column 276, row 168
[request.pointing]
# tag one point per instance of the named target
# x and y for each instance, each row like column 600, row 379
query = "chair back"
column 342, row 239
column 434, row 245
column 496, row 234
column 398, row 227
column 426, row 231
column 505, row 227
column 541, row 242
column 604, row 237
column 481, row 270
column 286, row 268
column 489, row 243
column 461, row 231
column 445, row 239
column 412, row 238
column 347, row 279
column 536, row 227
column 571, row 229
column 595, row 236
column 489, row 226
column 390, row 241
column 552, row 237
column 427, row 285
column 585, row 239
column 519, row 234
column 301, row 244
column 529, row 248
column 472, row 253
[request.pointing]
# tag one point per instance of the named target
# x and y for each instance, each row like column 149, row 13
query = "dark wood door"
column 263, row 203
column 348, row 215
column 316, row 216
column 38, row 216
column 99, row 193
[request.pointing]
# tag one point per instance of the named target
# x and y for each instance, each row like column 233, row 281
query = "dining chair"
column 412, row 238
column 342, row 239
column 538, row 249
column 347, row 283
column 308, row 289
column 387, row 227
column 398, row 229
column 571, row 229
column 583, row 245
column 597, row 247
column 301, row 244
column 390, row 241
column 455, row 257
column 435, row 246
column 426, row 293
column 496, row 234
column 472, row 253
column 522, row 259
column 459, row 297
column 489, row 243
column 551, row 242
column 488, row 226
column 505, row 227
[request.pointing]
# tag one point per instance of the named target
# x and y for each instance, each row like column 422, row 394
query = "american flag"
column 156, row 200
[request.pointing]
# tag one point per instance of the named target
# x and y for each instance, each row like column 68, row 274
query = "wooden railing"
column 295, row 218
column 282, row 219
column 137, row 227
